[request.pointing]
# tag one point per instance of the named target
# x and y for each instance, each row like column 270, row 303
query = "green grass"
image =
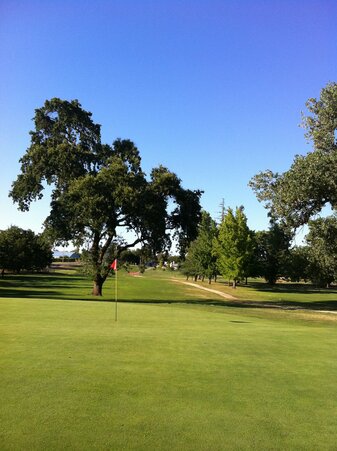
column 299, row 295
column 165, row 376
column 152, row 287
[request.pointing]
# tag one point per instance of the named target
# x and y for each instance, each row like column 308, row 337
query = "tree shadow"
column 290, row 288
column 54, row 287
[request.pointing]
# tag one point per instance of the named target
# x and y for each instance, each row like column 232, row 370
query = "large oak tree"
column 98, row 188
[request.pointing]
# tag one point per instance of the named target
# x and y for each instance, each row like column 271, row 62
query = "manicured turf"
column 165, row 376
column 152, row 287
column 300, row 295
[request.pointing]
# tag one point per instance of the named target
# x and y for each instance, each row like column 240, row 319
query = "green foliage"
column 298, row 267
column 130, row 257
column 23, row 250
column 97, row 188
column 299, row 193
column 200, row 259
column 233, row 246
column 271, row 254
column 322, row 250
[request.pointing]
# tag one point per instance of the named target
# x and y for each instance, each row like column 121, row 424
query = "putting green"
column 165, row 377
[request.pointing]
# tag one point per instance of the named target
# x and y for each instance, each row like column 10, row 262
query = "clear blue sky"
column 212, row 89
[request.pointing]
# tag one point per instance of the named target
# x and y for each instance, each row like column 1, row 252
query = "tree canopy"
column 322, row 250
column 98, row 188
column 23, row 250
column 311, row 182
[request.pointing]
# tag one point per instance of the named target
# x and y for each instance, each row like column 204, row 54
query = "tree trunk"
column 234, row 283
column 97, row 289
column 98, row 285
column 196, row 278
column 2, row 273
column 246, row 283
column 209, row 280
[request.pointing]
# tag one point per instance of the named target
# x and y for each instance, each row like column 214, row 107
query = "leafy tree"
column 311, row 182
column 233, row 246
column 22, row 249
column 272, row 252
column 200, row 259
column 322, row 250
column 252, row 262
column 191, row 266
column 98, row 188
column 131, row 257
column 298, row 267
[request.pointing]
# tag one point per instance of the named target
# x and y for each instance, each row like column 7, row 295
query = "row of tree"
column 23, row 250
column 235, row 252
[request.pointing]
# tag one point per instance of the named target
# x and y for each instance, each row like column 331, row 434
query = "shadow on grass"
column 59, row 286
column 281, row 305
column 289, row 288
column 39, row 280
column 330, row 306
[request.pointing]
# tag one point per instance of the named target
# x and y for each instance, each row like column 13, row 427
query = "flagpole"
column 116, row 294
column 114, row 267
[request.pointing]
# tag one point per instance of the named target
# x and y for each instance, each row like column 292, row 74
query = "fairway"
column 165, row 376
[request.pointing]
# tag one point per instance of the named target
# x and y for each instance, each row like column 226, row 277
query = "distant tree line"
column 23, row 250
column 235, row 252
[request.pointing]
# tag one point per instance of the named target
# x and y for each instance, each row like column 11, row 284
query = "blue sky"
column 212, row 89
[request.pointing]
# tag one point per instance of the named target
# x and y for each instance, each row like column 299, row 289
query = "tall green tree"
column 23, row 250
column 200, row 259
column 233, row 246
column 311, row 182
column 99, row 188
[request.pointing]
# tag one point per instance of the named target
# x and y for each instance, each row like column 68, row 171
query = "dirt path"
column 219, row 293
column 252, row 303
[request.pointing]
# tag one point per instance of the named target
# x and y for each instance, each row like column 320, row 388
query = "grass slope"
column 165, row 376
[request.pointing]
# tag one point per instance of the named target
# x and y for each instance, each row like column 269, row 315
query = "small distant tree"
column 23, row 250
column 191, row 266
column 201, row 258
column 233, row 246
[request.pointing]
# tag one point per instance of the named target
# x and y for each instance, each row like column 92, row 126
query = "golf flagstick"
column 114, row 267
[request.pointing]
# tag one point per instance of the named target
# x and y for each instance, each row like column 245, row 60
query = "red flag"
column 114, row 265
